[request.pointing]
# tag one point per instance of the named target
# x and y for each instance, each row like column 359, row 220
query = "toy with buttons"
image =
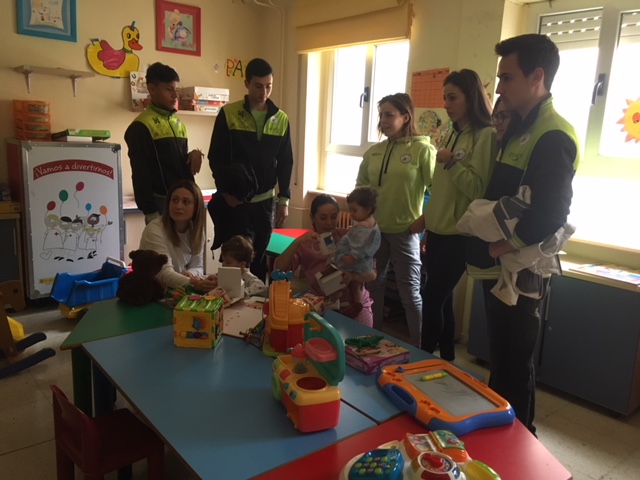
column 437, row 455
column 382, row 463
column 198, row 321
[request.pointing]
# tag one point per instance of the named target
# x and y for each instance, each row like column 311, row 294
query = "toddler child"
column 356, row 249
column 238, row 252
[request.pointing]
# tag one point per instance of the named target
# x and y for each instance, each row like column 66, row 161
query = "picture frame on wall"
column 54, row 19
column 177, row 28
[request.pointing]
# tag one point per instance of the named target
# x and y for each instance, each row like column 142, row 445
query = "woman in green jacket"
column 464, row 167
column 399, row 169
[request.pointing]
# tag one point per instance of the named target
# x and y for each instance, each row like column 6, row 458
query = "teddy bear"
column 141, row 286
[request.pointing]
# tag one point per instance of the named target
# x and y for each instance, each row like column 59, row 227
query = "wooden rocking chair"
column 11, row 295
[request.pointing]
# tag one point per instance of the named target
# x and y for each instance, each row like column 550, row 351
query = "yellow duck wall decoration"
column 108, row 61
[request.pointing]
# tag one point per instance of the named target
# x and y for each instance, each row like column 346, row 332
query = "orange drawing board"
column 443, row 397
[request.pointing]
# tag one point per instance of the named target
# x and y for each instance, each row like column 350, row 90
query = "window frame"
column 604, row 184
column 612, row 11
column 324, row 147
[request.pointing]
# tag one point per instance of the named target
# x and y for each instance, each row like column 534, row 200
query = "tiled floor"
column 589, row 442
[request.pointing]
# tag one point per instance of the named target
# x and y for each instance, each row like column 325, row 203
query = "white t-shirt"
column 180, row 257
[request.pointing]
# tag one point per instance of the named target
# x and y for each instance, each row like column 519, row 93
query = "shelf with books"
column 605, row 274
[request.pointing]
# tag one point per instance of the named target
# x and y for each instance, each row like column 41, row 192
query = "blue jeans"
column 403, row 251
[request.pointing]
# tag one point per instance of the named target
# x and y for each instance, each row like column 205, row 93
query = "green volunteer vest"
column 519, row 149
column 162, row 124
column 239, row 119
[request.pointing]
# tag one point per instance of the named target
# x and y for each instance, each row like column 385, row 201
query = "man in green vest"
column 250, row 154
column 541, row 151
column 157, row 144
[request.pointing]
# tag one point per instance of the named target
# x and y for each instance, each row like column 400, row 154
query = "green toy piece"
column 368, row 341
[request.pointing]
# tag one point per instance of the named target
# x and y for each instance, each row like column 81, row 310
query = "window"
column 599, row 49
column 621, row 122
column 356, row 78
column 597, row 90
column 576, row 35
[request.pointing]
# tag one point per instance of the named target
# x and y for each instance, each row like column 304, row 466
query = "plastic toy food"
column 436, row 455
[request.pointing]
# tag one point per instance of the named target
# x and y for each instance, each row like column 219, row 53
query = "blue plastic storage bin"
column 84, row 288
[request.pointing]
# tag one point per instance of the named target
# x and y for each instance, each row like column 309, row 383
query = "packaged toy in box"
column 369, row 353
column 197, row 321
column 204, row 93
column 315, row 302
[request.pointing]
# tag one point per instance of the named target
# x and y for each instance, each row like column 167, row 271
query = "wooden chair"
column 102, row 444
column 11, row 295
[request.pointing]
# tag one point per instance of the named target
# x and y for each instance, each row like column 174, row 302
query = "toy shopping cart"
column 76, row 293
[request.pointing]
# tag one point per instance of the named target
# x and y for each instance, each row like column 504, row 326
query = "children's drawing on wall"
column 430, row 124
column 631, row 121
column 47, row 13
column 113, row 62
column 72, row 234
column 235, row 68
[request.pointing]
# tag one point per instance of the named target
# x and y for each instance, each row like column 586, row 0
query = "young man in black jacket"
column 255, row 133
column 542, row 153
column 157, row 144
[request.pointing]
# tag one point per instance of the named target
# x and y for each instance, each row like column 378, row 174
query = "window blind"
column 327, row 24
column 572, row 26
column 630, row 25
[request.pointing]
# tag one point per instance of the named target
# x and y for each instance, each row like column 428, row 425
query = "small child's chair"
column 102, row 444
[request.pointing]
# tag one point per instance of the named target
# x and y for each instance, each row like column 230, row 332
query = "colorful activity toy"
column 306, row 381
column 197, row 321
column 285, row 318
column 432, row 456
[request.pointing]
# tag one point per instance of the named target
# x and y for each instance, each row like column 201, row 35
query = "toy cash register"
column 441, row 396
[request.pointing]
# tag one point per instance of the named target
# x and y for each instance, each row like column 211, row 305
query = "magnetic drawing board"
column 456, row 401
column 452, row 395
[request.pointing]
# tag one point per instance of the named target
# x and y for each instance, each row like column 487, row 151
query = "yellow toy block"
column 197, row 321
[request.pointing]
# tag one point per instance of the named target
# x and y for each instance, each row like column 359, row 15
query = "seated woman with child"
column 179, row 234
column 305, row 253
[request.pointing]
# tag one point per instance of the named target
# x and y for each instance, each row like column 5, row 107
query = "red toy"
column 306, row 381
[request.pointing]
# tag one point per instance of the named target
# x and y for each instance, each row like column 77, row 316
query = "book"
column 609, row 271
column 369, row 353
column 73, row 139
column 80, row 132
column 242, row 316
